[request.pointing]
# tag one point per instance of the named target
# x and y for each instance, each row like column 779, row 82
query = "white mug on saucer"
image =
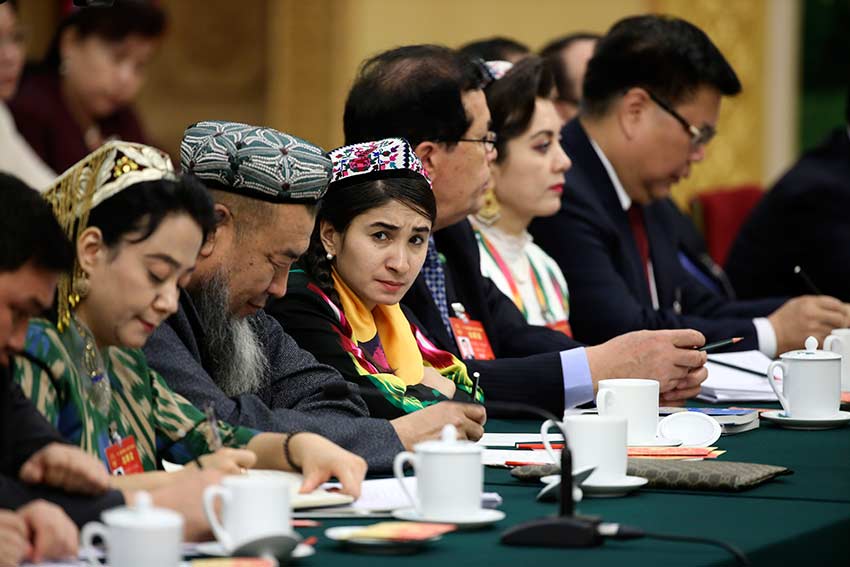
column 598, row 441
column 449, row 477
column 252, row 507
column 636, row 400
column 136, row 536
column 839, row 342
column 811, row 382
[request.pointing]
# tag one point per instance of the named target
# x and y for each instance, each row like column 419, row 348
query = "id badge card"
column 123, row 457
column 472, row 341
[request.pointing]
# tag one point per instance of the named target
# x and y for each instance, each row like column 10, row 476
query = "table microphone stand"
column 566, row 529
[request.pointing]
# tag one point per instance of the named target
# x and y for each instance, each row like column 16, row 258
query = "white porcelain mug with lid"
column 839, row 342
column 136, row 536
column 811, row 382
column 252, row 507
column 449, row 477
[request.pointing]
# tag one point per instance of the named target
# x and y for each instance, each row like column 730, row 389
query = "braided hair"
column 341, row 205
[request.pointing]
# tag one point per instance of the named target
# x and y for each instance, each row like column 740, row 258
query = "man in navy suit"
column 803, row 221
column 652, row 97
column 433, row 97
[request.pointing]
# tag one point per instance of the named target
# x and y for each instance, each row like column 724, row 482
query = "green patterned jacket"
column 141, row 405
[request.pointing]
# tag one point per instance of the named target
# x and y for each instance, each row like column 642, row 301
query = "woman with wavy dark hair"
column 368, row 246
column 528, row 180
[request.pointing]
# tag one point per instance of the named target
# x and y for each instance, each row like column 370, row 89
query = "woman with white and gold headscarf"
column 137, row 228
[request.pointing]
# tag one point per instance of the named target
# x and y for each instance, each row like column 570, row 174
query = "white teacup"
column 136, row 536
column 839, row 342
column 634, row 399
column 598, row 441
column 811, row 382
column 449, row 477
column 252, row 507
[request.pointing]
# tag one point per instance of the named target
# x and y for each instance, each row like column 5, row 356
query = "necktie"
column 435, row 279
column 639, row 230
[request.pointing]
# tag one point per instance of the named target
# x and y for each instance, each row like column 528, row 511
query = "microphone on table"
column 566, row 529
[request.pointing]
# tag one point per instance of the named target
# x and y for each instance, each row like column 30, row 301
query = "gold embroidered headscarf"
column 108, row 170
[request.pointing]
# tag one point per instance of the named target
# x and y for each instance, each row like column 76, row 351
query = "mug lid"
column 693, row 429
column 142, row 514
column 811, row 352
column 448, row 443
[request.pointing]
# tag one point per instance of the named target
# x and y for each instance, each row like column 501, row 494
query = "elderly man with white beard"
column 221, row 348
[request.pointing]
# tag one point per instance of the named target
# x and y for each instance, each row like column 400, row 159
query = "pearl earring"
column 329, row 256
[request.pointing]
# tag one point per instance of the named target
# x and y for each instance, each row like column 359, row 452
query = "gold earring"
column 79, row 289
column 492, row 210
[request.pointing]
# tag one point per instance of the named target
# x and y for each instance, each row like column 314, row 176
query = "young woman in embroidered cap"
column 138, row 230
column 528, row 180
column 367, row 248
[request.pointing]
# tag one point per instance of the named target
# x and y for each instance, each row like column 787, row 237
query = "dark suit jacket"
column 804, row 220
column 591, row 239
column 527, row 366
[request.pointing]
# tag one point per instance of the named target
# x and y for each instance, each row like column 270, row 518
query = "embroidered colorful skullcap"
column 381, row 159
column 105, row 172
column 497, row 69
column 261, row 163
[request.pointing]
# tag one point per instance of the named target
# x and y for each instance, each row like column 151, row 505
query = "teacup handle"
column 604, row 398
column 544, row 435
column 832, row 339
column 770, row 370
column 398, row 470
column 91, row 531
column 210, row 495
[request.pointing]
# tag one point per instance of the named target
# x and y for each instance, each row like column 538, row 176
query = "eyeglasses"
column 699, row 136
column 489, row 140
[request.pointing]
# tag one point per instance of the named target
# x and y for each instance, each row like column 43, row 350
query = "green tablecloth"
column 795, row 520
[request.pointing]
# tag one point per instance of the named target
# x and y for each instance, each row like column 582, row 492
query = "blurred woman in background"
column 16, row 156
column 82, row 94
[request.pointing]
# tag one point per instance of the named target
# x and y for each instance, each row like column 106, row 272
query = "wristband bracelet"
column 287, row 455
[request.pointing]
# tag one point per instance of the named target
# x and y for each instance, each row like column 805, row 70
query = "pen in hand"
column 213, row 423
column 720, row 344
column 807, row 280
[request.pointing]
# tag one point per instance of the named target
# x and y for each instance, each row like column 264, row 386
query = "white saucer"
column 658, row 442
column 339, row 534
column 613, row 489
column 483, row 517
column 214, row 549
column 579, row 475
column 778, row 417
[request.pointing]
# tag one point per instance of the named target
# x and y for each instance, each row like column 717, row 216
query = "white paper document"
column 753, row 360
column 725, row 384
column 511, row 439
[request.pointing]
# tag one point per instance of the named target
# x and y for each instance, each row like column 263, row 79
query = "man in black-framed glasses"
column 700, row 136
column 652, row 97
